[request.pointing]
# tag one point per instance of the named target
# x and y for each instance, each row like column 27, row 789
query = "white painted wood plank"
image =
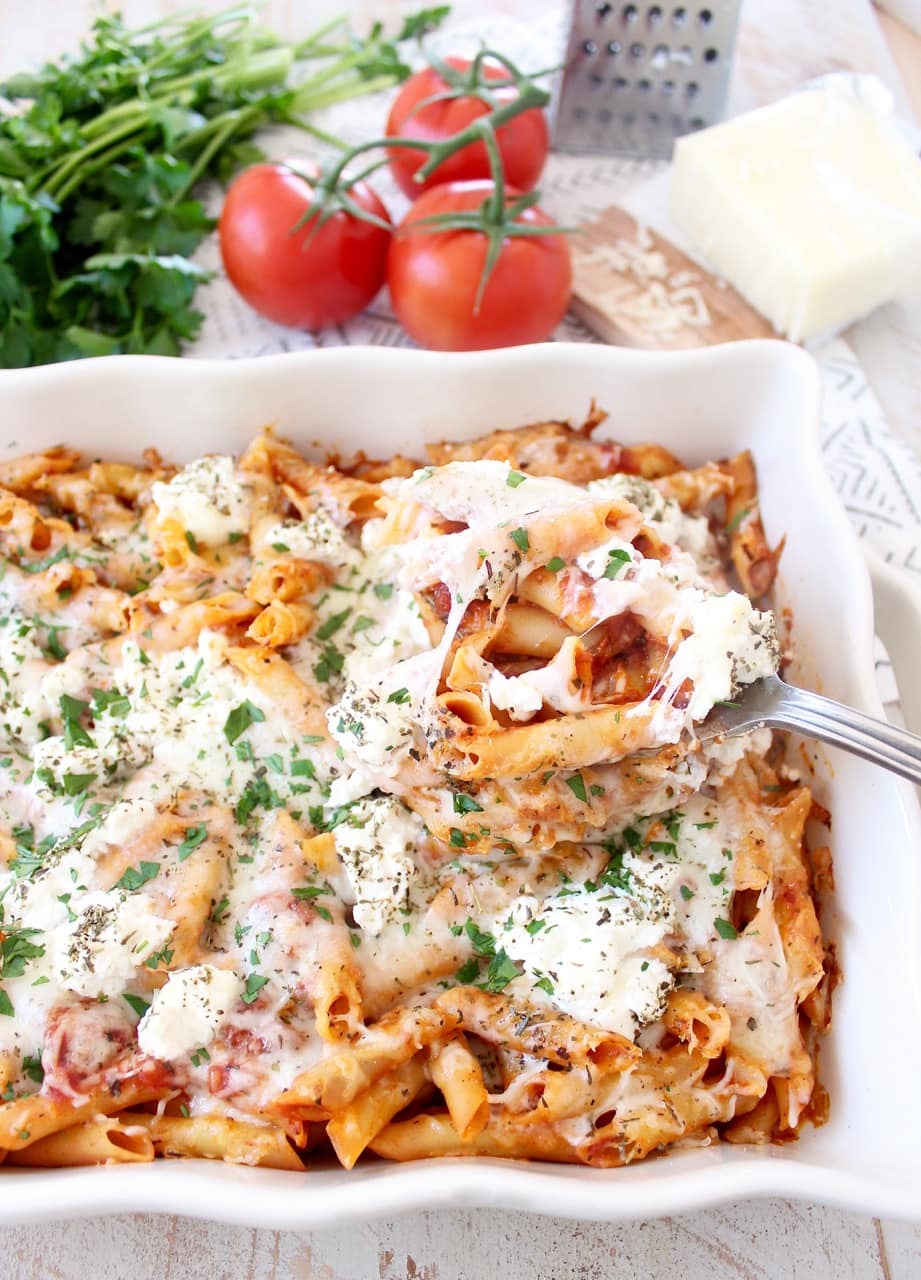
column 760, row 1241
column 900, row 1249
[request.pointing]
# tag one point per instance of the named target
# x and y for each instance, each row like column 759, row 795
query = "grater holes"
column 614, row 47
column 604, row 10
column 596, row 79
column 644, row 85
column 683, row 56
column 696, row 122
column 691, row 90
column 637, row 50
column 631, row 13
column 580, row 115
column 711, row 55
column 653, row 118
column 654, row 16
column 605, row 115
column 658, row 59
column 620, row 82
column 668, row 87
column 679, row 17
column 589, row 47
column 705, row 17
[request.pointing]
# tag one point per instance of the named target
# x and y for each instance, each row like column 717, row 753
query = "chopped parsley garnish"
column 32, row 1067
column 465, row 804
column 16, row 949
column 457, row 838
column 737, row 520
column 717, row 877
column 328, row 629
column 307, row 893
column 616, row 561
column 615, row 875
column 383, row 590
column 139, row 1006
column 514, row 479
column 556, row 564
column 545, row 985
column 76, row 783
column 687, row 893
column 254, row 984
column 110, row 700
column 240, row 719
column 74, row 733
column 39, row 566
column 137, row 876
column 534, row 926
column 399, row 696
column 192, row 541
column 501, row 970
column 256, row 792
column 330, row 663
column 725, row 928
column 6, row 1005
column 521, row 540
column 194, row 836
column 281, row 547
column 576, row 785
column 468, row 972
column 220, row 911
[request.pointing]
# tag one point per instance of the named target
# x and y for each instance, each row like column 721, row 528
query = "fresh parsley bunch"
column 100, row 155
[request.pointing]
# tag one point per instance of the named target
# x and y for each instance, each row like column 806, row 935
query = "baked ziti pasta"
column 363, row 808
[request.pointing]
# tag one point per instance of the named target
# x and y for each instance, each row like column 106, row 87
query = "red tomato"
column 523, row 141
column 293, row 279
column 433, row 278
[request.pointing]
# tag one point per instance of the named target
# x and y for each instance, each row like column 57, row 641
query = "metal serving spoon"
column 773, row 703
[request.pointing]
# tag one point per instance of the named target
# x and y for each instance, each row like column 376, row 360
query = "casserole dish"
column 762, row 396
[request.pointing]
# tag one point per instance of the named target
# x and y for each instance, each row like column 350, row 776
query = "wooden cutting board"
column 635, row 288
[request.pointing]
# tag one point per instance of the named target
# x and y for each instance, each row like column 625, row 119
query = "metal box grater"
column 637, row 76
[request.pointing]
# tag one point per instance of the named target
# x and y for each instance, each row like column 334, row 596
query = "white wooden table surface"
column 782, row 42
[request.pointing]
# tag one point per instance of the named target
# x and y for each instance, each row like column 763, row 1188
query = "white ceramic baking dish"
column 701, row 404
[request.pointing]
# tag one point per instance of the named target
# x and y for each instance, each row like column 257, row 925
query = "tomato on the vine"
column 434, row 276
column 310, row 279
column 523, row 140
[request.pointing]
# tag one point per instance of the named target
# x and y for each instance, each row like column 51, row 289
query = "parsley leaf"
column 521, row 540
column 514, row 479
column 616, row 561
column 135, row 877
column 254, row 984
column 194, row 836
column 465, row 804
column 576, row 785
column 240, row 719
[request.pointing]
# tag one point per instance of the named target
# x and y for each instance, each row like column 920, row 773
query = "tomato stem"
column 529, row 96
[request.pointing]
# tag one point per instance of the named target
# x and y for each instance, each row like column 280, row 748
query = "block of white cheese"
column 811, row 207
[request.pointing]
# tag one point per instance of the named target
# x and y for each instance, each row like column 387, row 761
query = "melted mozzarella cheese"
column 376, row 844
column 207, row 498
column 187, row 1011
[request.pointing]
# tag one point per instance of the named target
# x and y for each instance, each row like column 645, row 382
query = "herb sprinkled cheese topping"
column 186, row 1012
column 376, row 844
column 208, row 499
